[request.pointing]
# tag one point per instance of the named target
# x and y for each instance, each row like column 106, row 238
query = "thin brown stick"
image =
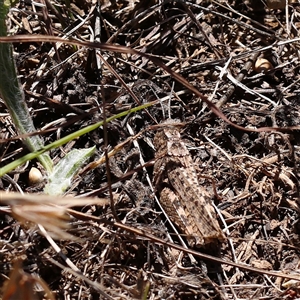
column 158, row 62
column 157, row 240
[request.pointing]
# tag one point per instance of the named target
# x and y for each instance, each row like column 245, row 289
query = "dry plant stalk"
column 21, row 285
column 53, row 218
column 48, row 211
column 185, row 201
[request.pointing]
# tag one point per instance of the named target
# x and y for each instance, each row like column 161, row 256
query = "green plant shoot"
column 13, row 96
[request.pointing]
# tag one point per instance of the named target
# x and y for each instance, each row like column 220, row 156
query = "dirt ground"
column 244, row 57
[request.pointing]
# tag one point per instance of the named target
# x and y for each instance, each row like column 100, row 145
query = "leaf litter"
column 243, row 56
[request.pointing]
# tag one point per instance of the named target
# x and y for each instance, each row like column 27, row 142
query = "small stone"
column 35, row 176
column 262, row 65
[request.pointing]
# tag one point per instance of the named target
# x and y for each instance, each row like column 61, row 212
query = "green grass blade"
column 11, row 166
